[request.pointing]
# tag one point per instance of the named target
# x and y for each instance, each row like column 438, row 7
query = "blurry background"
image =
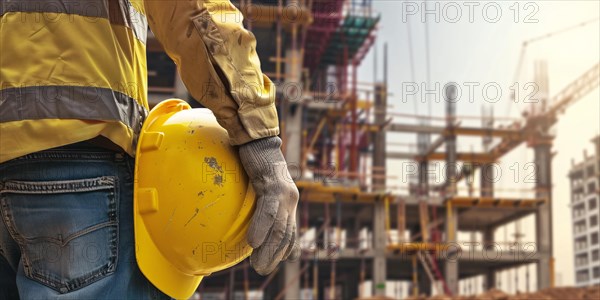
column 440, row 147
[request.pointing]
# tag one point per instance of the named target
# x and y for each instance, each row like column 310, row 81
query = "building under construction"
column 355, row 226
column 585, row 177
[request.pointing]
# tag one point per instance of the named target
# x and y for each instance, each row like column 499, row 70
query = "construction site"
column 361, row 234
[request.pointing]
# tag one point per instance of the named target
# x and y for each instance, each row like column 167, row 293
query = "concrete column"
column 293, row 132
column 423, row 178
column 487, row 186
column 379, row 239
column 379, row 138
column 291, row 272
column 540, row 140
column 423, row 193
column 543, row 160
column 292, row 116
column 490, row 275
column 379, row 235
column 423, row 142
column 451, row 261
column 293, row 157
column 486, row 180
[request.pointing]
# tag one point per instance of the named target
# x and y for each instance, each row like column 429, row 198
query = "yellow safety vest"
column 62, row 82
column 72, row 70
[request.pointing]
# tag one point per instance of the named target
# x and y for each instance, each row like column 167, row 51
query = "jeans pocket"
column 67, row 230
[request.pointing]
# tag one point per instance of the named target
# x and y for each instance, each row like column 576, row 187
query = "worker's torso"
column 71, row 70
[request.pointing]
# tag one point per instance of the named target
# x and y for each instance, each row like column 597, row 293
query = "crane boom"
column 570, row 94
column 574, row 91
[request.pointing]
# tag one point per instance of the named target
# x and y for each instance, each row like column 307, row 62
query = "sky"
column 477, row 45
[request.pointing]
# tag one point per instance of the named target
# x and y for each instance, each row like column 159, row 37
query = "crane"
column 542, row 121
column 580, row 87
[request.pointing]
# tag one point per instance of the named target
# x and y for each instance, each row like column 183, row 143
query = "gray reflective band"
column 71, row 102
column 118, row 12
column 138, row 23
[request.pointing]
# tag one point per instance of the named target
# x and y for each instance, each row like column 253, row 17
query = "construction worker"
column 73, row 100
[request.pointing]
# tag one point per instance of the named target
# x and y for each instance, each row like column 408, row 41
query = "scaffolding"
column 355, row 226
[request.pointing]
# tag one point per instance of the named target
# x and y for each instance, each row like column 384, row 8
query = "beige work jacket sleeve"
column 217, row 60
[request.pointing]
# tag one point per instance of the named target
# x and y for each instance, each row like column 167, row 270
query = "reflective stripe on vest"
column 70, row 102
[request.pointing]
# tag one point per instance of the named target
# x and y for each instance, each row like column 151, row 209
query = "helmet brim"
column 153, row 264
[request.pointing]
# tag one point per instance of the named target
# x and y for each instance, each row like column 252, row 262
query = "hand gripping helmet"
column 192, row 199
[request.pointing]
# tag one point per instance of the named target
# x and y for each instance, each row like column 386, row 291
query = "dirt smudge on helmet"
column 212, row 163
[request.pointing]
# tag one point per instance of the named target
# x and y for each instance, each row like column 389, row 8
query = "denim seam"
column 84, row 280
column 70, row 154
column 57, row 187
column 82, row 232
column 113, row 217
column 6, row 217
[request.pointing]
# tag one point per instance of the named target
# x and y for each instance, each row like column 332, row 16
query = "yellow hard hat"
column 192, row 199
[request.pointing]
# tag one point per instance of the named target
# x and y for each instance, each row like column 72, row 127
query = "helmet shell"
column 192, row 199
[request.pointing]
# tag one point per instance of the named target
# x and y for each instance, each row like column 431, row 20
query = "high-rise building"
column 585, row 178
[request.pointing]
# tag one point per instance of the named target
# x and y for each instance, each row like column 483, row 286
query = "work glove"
column 272, row 231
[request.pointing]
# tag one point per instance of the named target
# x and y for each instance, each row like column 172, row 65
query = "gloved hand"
column 272, row 232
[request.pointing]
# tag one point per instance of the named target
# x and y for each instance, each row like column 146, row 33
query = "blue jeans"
column 67, row 227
